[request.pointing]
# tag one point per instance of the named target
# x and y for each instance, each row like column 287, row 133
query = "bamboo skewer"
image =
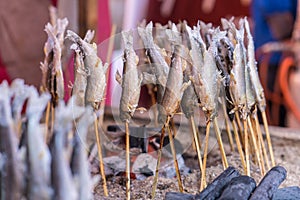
column 259, row 145
column 203, row 175
column 268, row 137
column 162, row 136
column 174, row 157
column 127, row 161
column 257, row 153
column 47, row 119
column 227, row 125
column 262, row 143
column 239, row 146
column 197, row 142
column 246, row 147
column 100, row 157
column 221, row 146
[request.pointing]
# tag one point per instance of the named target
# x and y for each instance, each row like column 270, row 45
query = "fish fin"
column 184, row 86
column 119, row 77
column 89, row 36
column 146, row 35
column 149, row 78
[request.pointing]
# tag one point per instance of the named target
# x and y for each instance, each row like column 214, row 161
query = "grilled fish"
column 131, row 80
column 96, row 80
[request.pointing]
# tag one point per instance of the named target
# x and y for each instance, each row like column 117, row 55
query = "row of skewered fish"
column 30, row 167
column 189, row 68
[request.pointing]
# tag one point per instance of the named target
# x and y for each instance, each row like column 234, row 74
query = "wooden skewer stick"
column 262, row 143
column 259, row 145
column 100, row 156
column 268, row 137
column 197, row 142
column 203, row 175
column 258, row 156
column 52, row 119
column 238, row 121
column 127, row 144
column 162, row 136
column 221, row 146
column 239, row 146
column 172, row 123
column 227, row 125
column 47, row 119
column 246, row 147
column 174, row 156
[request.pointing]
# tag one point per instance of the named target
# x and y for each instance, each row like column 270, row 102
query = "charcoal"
column 269, row 184
column 238, row 188
column 214, row 190
column 288, row 193
column 178, row 196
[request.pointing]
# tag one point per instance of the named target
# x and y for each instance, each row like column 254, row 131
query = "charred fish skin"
column 131, row 80
column 38, row 154
column 96, row 80
column 256, row 84
column 175, row 84
column 157, row 61
column 79, row 163
column 12, row 179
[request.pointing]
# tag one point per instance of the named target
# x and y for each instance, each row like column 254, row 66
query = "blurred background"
column 22, row 38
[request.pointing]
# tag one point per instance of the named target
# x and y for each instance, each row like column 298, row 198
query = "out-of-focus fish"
column 20, row 94
column 256, row 84
column 61, row 176
column 175, row 84
column 96, row 80
column 38, row 154
column 12, row 179
column 131, row 81
column 79, row 163
column 158, row 62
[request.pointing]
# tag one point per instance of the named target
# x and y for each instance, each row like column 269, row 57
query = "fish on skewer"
column 38, row 153
column 131, row 86
column 207, row 87
column 12, row 176
column 157, row 61
column 95, row 85
column 257, row 87
column 81, row 71
column 238, row 83
column 61, row 176
column 189, row 101
column 96, row 80
column 79, row 161
column 170, row 103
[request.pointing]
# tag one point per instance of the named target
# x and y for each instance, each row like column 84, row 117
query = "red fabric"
column 190, row 11
column 103, row 33
column 3, row 73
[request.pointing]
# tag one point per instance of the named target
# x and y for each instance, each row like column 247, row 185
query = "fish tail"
column 73, row 37
column 174, row 35
column 146, row 35
column 127, row 39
